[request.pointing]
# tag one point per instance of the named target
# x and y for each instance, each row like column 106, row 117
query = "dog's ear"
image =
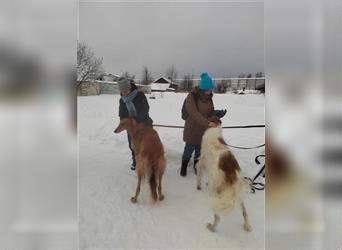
column 215, row 120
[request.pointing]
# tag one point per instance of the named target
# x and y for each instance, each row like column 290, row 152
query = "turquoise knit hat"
column 206, row 83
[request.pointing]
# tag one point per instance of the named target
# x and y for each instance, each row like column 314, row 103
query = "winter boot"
column 184, row 166
column 195, row 162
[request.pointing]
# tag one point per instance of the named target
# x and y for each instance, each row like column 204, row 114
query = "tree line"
column 89, row 67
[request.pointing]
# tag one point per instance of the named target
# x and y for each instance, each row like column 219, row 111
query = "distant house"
column 144, row 88
column 173, row 87
column 162, row 84
column 89, row 88
column 98, row 87
column 260, row 86
column 106, row 84
column 162, row 80
column 108, row 77
column 109, row 87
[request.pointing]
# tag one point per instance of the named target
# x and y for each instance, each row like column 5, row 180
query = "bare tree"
column 171, row 73
column 240, row 80
column 259, row 74
column 222, row 86
column 229, row 84
column 249, row 81
column 146, row 76
column 260, row 83
column 127, row 75
column 89, row 67
column 187, row 83
column 191, row 82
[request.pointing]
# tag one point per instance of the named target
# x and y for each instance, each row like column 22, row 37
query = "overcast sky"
column 224, row 39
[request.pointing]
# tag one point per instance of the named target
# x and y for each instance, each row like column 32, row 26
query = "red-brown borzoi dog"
column 225, row 183
column 149, row 153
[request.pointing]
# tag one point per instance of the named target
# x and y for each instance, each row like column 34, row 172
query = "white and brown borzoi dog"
column 149, row 153
column 225, row 183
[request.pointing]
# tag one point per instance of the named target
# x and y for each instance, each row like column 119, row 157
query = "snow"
column 108, row 219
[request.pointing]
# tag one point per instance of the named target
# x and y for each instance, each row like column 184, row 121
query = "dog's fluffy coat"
column 149, row 153
column 225, row 183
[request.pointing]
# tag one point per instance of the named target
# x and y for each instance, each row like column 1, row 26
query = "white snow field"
column 107, row 218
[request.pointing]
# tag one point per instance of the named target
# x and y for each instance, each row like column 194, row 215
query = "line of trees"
column 89, row 67
column 187, row 83
column 243, row 82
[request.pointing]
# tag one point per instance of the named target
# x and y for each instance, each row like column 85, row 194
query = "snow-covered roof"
column 109, row 77
column 162, row 80
column 108, row 82
column 159, row 86
column 110, row 74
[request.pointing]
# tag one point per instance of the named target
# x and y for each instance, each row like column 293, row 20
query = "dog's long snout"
column 123, row 125
column 118, row 130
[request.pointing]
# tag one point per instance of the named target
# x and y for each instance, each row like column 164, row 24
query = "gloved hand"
column 220, row 113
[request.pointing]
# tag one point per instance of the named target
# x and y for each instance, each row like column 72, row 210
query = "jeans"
column 189, row 149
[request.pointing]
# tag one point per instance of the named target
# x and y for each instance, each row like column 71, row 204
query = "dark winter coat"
column 141, row 106
column 197, row 121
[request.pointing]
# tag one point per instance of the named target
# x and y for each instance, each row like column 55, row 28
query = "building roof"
column 162, row 80
column 108, row 77
column 108, row 82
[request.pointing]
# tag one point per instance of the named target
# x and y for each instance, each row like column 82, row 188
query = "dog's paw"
column 247, row 227
column 199, row 188
column 211, row 227
column 161, row 197
column 134, row 200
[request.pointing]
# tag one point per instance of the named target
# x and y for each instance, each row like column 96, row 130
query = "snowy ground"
column 108, row 219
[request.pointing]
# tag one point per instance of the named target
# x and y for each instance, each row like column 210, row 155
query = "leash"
column 257, row 185
column 259, row 146
column 227, row 127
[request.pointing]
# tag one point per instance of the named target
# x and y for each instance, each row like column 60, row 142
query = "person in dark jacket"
column 200, row 107
column 133, row 104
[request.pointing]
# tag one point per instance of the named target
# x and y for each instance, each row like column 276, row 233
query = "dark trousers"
column 130, row 147
column 189, row 149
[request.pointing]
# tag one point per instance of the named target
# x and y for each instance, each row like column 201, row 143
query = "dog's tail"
column 153, row 186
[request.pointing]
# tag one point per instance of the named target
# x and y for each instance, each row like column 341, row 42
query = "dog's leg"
column 137, row 191
column 160, row 195
column 247, row 225
column 212, row 227
column 199, row 167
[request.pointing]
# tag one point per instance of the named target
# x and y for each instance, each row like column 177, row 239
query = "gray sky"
column 224, row 39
